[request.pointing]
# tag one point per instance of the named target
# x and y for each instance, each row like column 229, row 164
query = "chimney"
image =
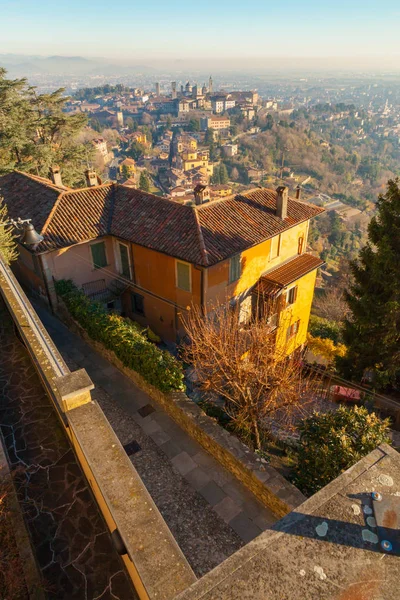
column 298, row 192
column 91, row 178
column 55, row 176
column 281, row 201
column 201, row 194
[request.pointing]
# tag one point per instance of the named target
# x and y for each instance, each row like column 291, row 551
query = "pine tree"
column 36, row 133
column 8, row 248
column 372, row 333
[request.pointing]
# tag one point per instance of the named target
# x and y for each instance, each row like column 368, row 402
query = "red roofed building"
column 162, row 255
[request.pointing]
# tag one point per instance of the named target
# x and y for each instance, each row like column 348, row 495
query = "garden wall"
column 273, row 490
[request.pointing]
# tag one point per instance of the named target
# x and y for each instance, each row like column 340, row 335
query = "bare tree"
column 332, row 305
column 240, row 364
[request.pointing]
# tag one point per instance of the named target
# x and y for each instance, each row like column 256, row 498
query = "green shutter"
column 183, row 276
column 234, row 268
column 99, row 255
column 123, row 252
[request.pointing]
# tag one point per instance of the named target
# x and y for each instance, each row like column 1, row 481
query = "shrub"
column 323, row 328
column 124, row 337
column 331, row 443
column 325, row 347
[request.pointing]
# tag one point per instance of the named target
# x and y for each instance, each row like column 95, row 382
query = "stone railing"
column 151, row 555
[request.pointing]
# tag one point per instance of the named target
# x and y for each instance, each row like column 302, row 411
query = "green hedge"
column 124, row 337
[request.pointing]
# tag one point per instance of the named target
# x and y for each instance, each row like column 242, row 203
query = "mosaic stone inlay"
column 73, row 547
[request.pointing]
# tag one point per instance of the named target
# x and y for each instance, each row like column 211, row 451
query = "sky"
column 153, row 29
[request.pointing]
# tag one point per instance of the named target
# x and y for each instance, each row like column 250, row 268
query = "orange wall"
column 156, row 273
column 255, row 262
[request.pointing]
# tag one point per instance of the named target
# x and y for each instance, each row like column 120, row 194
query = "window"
column 234, row 268
column 99, row 255
column 300, row 245
column 292, row 329
column 137, row 302
column 124, row 260
column 183, row 276
column 291, row 295
column 275, row 246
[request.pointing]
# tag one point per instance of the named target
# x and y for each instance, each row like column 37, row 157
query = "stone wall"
column 273, row 490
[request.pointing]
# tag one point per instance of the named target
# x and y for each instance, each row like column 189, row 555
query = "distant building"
column 220, row 190
column 100, row 145
column 129, row 164
column 191, row 160
column 216, row 123
column 173, row 90
column 230, row 149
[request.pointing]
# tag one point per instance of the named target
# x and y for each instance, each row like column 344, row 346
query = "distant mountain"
column 26, row 66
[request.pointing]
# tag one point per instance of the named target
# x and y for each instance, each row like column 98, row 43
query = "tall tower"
column 173, row 87
column 157, row 89
column 210, row 85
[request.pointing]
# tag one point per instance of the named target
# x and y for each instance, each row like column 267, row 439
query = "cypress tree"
column 372, row 333
column 144, row 183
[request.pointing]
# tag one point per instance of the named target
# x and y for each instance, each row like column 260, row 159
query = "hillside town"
column 199, row 305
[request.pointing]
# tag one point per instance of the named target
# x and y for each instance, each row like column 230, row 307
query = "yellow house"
column 129, row 164
column 151, row 259
column 186, row 143
column 191, row 160
column 220, row 190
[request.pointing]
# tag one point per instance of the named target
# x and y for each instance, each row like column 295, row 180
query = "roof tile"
column 203, row 235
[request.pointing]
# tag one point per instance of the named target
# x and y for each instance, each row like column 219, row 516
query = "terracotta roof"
column 287, row 273
column 29, row 197
column 203, row 235
column 77, row 216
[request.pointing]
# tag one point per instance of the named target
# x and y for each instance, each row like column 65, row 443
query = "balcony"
column 99, row 291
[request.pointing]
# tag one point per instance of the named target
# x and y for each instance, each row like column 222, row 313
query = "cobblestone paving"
column 210, row 514
column 73, row 547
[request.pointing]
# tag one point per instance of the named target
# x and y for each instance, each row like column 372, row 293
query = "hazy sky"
column 206, row 28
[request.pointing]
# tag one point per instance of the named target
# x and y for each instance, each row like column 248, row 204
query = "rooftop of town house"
column 203, row 235
column 330, row 547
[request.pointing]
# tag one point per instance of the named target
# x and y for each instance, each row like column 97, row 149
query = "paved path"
column 210, row 514
column 73, row 547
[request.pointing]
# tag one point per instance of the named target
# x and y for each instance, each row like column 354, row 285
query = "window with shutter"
column 300, row 245
column 275, row 247
column 99, row 255
column 183, row 276
column 291, row 295
column 293, row 329
column 234, row 268
column 124, row 258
